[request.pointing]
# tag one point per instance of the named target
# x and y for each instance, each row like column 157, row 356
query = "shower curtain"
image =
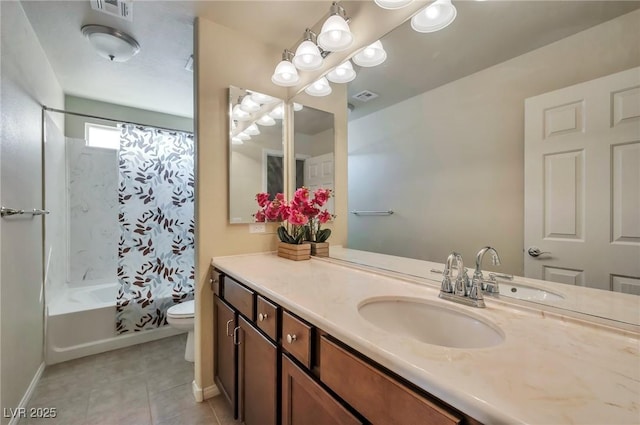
column 156, row 218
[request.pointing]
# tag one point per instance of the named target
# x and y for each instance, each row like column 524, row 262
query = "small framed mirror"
column 314, row 145
column 256, row 155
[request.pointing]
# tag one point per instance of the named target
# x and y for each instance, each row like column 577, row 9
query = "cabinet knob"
column 291, row 338
column 262, row 317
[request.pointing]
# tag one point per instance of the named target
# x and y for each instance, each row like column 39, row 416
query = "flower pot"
column 319, row 249
column 293, row 251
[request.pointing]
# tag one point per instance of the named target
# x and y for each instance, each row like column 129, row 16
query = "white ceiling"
column 484, row 33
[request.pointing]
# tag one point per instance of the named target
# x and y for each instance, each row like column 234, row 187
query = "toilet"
column 181, row 316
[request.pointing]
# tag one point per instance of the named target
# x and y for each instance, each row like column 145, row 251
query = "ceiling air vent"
column 120, row 8
column 365, row 96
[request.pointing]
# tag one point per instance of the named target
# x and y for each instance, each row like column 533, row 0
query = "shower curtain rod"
column 78, row 114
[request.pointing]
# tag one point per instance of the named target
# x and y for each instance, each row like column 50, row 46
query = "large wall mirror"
column 443, row 144
column 313, row 145
column 256, row 155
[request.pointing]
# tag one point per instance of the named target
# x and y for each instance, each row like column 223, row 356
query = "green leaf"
column 323, row 235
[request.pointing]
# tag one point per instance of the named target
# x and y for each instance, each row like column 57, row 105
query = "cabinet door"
column 225, row 357
column 305, row 402
column 257, row 377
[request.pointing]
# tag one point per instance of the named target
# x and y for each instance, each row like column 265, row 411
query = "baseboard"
column 27, row 395
column 202, row 394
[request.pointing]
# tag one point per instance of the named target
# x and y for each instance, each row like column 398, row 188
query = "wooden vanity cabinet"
column 225, row 350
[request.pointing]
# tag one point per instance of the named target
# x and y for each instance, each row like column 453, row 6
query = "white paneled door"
column 582, row 184
column 318, row 173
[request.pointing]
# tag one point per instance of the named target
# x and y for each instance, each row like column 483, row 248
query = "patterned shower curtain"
column 156, row 216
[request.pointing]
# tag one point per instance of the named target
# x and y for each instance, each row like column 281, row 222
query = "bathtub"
column 80, row 321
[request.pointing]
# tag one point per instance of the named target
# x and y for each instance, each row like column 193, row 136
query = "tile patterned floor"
column 147, row 384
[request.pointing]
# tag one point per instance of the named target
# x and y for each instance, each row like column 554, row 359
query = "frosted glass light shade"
column 434, row 17
column 263, row 99
column 243, row 136
column 252, row 130
column 285, row 75
column 238, row 114
column 297, row 107
column 335, row 35
column 111, row 43
column 393, row 4
column 307, row 56
column 342, row 74
column 266, row 120
column 249, row 105
column 372, row 55
column 319, row 88
column 277, row 112
column 236, row 141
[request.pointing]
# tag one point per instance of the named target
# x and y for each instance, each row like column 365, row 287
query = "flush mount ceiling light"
column 111, row 43
column 343, row 73
column 266, row 120
column 371, row 55
column 335, row 35
column 393, row 4
column 308, row 56
column 249, row 105
column 252, row 130
column 319, row 88
column 285, row 74
column 434, row 17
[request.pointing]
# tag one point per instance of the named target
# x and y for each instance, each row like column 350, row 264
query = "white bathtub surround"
column 156, row 223
column 80, row 322
column 93, row 213
column 550, row 369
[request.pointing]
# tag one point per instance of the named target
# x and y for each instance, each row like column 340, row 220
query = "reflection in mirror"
column 255, row 150
column 452, row 145
column 313, row 141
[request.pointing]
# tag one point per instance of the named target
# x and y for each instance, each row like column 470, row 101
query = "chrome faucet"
column 463, row 291
column 490, row 285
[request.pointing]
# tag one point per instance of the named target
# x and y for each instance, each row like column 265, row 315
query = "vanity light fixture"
column 252, row 130
column 372, row 55
column 308, row 56
column 393, row 4
column 434, row 17
column 111, row 43
column 285, row 74
column 335, row 35
column 320, row 87
column 263, row 99
column 343, row 73
column 277, row 112
column 243, row 136
column 249, row 105
column 297, row 107
column 236, row 141
column 238, row 114
column 266, row 120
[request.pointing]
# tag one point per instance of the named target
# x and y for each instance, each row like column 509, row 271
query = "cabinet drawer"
column 296, row 338
column 378, row 397
column 267, row 317
column 239, row 297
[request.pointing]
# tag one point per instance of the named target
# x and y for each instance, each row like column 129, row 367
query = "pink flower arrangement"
column 301, row 218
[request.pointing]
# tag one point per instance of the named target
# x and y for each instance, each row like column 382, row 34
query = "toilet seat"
column 185, row 310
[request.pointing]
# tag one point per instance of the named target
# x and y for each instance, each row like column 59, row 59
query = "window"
column 102, row 136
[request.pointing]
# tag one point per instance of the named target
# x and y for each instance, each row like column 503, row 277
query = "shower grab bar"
column 387, row 212
column 8, row 212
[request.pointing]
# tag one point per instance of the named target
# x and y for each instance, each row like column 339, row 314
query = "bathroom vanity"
column 321, row 342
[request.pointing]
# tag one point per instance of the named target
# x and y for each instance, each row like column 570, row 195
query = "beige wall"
column 74, row 125
column 226, row 57
column 453, row 158
column 27, row 82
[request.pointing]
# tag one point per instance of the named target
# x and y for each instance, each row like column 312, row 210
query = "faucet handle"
column 446, row 285
column 475, row 293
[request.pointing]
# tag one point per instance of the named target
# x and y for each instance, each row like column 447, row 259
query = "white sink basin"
column 430, row 322
column 528, row 293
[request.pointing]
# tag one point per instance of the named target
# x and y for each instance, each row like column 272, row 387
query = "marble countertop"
column 549, row 370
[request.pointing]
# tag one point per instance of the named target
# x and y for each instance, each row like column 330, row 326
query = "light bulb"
column 432, row 12
column 369, row 52
column 285, row 76
column 307, row 59
column 340, row 71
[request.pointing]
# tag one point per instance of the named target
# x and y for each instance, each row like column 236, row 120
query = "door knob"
column 535, row 252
